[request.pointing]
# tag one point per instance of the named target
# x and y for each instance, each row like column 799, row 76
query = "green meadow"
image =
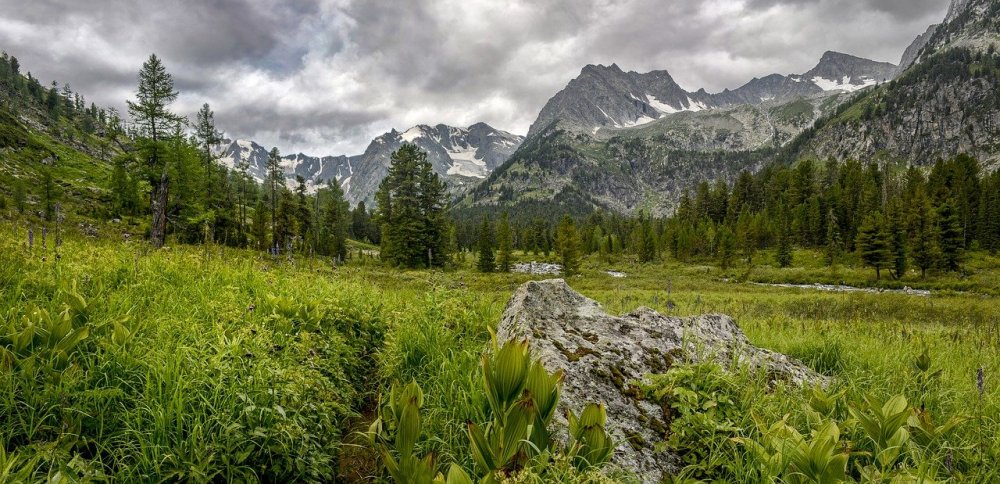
column 211, row 364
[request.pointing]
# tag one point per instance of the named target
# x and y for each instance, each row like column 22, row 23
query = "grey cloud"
column 326, row 76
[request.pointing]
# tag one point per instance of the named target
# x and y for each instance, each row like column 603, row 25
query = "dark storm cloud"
column 325, row 76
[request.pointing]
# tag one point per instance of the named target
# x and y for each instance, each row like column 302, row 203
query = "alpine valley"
column 632, row 142
column 793, row 280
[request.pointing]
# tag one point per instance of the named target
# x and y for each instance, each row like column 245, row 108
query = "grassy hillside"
column 211, row 364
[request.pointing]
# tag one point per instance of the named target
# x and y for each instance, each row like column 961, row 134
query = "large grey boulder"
column 602, row 354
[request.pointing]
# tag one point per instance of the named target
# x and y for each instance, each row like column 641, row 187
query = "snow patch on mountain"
column 465, row 163
column 412, row 134
column 661, row 106
column 844, row 84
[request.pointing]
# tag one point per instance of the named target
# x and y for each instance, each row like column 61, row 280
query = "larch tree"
column 155, row 122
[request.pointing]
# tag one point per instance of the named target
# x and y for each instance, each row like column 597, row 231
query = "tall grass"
column 214, row 364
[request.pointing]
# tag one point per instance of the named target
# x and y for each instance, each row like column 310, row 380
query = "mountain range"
column 463, row 156
column 628, row 142
column 606, row 97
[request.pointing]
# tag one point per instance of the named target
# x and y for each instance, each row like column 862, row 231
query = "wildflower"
column 981, row 382
column 31, row 239
column 949, row 462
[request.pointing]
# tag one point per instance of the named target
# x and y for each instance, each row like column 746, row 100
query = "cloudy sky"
column 326, row 76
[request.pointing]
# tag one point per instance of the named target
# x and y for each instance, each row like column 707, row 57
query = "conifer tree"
column 874, row 243
column 20, row 196
column 743, row 236
column 926, row 251
column 568, row 246
column 411, row 211
column 209, row 139
column 484, row 245
column 303, row 211
column 151, row 113
column 260, row 224
column 505, row 242
column 725, row 246
column 832, row 239
column 359, row 222
column 952, row 242
column 275, row 183
column 647, row 241
column 898, row 235
column 335, row 221
column 285, row 219
column 783, row 255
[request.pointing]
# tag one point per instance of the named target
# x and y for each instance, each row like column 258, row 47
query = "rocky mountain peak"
column 846, row 71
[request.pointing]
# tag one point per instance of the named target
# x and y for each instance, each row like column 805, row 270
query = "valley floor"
column 206, row 363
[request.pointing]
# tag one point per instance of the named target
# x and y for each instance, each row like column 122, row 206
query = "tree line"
column 168, row 170
column 891, row 215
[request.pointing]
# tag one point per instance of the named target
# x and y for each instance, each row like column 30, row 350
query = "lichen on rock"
column 603, row 356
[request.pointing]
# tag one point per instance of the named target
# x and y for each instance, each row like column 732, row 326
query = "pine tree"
column 150, row 111
column 484, row 245
column 275, row 183
column 433, row 206
column 874, row 243
column 647, row 241
column 952, row 241
column 411, row 211
column 725, row 246
column 925, row 249
column 783, row 256
column 568, row 246
column 303, row 211
column 898, row 235
column 208, row 136
column 49, row 192
column 335, row 221
column 505, row 242
column 260, row 224
column 209, row 139
column 833, row 243
column 285, row 219
column 52, row 101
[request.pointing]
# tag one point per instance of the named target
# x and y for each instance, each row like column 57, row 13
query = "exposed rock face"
column 601, row 354
column 538, row 268
column 912, row 53
column 607, row 97
column 944, row 117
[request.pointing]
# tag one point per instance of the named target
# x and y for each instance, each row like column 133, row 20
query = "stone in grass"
column 601, row 354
